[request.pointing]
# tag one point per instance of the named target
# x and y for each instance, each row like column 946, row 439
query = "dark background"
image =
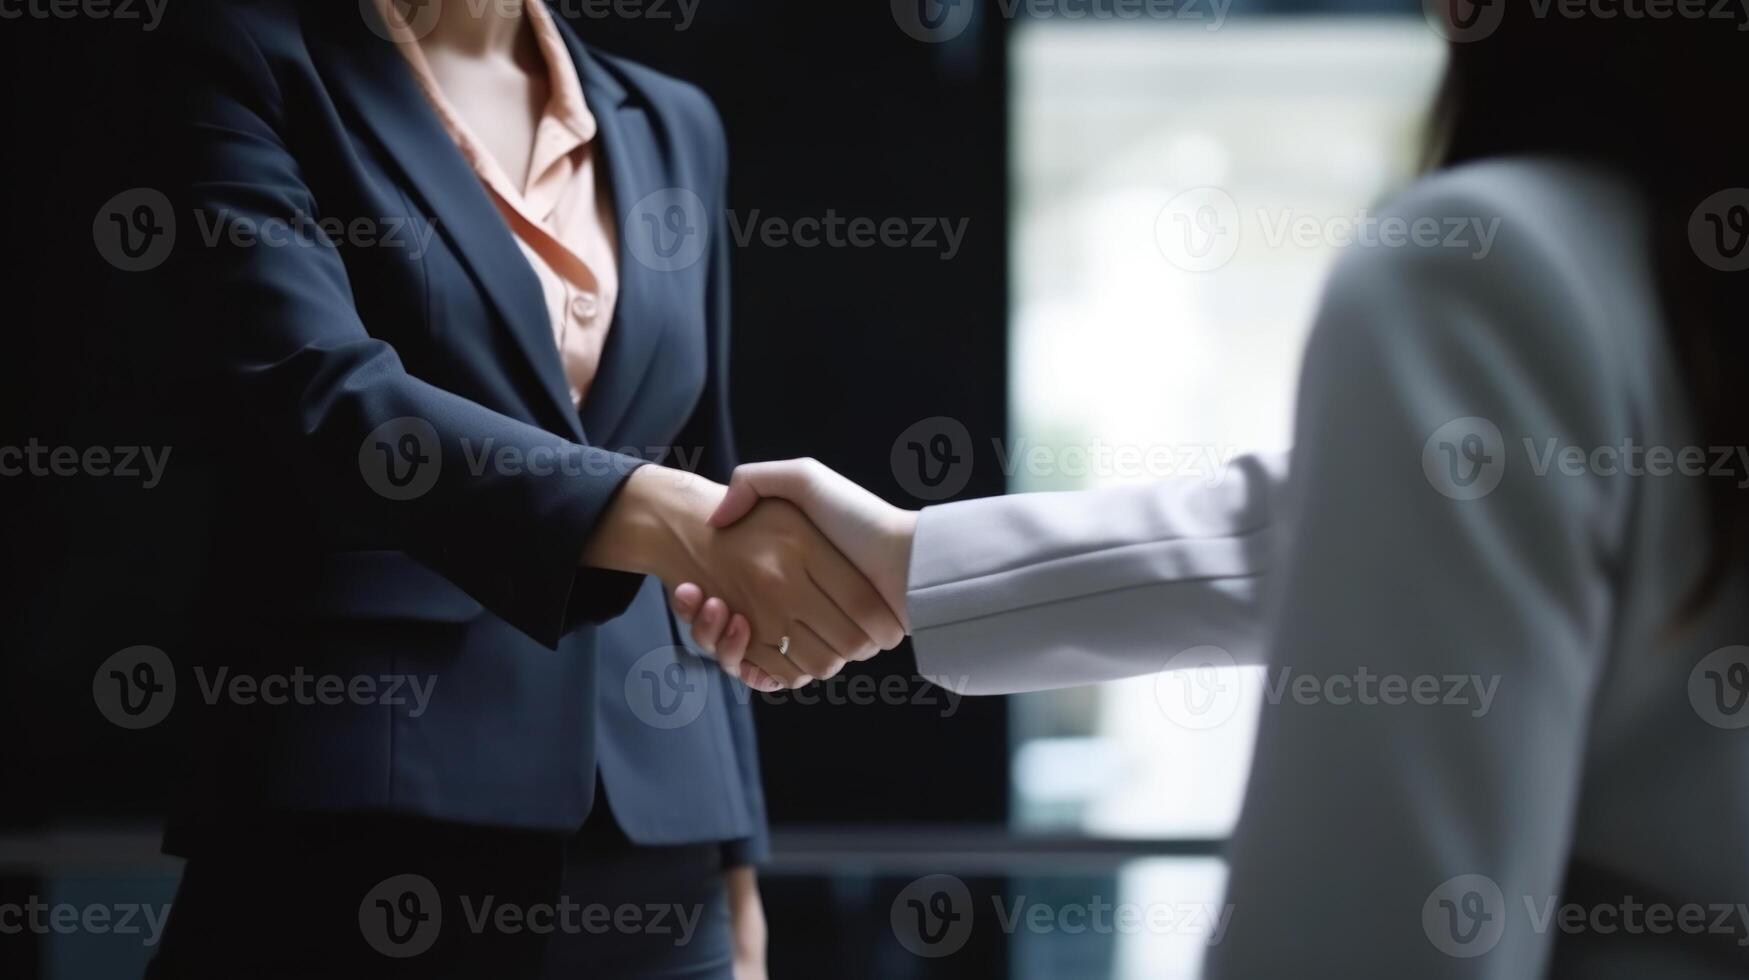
column 828, row 106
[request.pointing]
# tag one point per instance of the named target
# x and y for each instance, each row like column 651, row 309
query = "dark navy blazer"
column 406, row 484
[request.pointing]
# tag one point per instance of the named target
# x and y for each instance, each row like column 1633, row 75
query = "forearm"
column 649, row 526
column 1036, row 591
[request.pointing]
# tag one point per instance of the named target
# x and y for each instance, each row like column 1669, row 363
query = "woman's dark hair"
column 1658, row 101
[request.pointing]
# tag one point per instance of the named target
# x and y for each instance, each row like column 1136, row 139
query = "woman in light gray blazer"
column 1498, row 593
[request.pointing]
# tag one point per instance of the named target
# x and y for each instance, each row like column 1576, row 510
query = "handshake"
column 785, row 576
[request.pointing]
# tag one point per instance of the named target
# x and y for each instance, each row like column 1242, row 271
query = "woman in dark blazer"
column 457, row 303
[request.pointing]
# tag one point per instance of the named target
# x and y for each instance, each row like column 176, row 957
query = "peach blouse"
column 560, row 215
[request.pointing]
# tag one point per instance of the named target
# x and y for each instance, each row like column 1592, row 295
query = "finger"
column 759, row 680
column 836, row 630
column 733, row 645
column 686, row 601
column 810, row 651
column 735, row 504
column 751, row 481
column 857, row 600
column 793, row 669
column 765, row 657
column 708, row 628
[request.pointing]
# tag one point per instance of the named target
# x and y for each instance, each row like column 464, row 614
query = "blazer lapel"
column 371, row 76
column 627, row 148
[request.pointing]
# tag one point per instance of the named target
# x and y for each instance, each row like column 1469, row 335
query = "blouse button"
column 583, row 306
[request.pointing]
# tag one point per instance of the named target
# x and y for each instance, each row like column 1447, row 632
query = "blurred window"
column 1180, row 194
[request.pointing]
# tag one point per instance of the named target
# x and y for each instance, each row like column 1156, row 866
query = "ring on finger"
column 782, row 646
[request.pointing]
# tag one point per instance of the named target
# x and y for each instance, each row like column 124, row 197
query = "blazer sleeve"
column 1437, row 637
column 1036, row 591
column 298, row 372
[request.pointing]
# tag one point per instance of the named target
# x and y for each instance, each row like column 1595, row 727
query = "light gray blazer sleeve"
column 1044, row 590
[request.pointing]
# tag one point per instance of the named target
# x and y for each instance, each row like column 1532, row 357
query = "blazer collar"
column 372, row 78
column 627, row 148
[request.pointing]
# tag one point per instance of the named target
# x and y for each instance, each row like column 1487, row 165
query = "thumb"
column 754, row 481
column 740, row 498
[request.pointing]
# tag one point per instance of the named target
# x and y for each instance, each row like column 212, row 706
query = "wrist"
column 651, row 526
column 899, row 531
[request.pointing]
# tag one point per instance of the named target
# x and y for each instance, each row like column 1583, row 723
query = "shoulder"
column 260, row 46
column 276, row 26
column 1532, row 266
column 1521, row 232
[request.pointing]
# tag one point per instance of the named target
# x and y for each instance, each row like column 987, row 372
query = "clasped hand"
column 748, row 573
column 870, row 534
